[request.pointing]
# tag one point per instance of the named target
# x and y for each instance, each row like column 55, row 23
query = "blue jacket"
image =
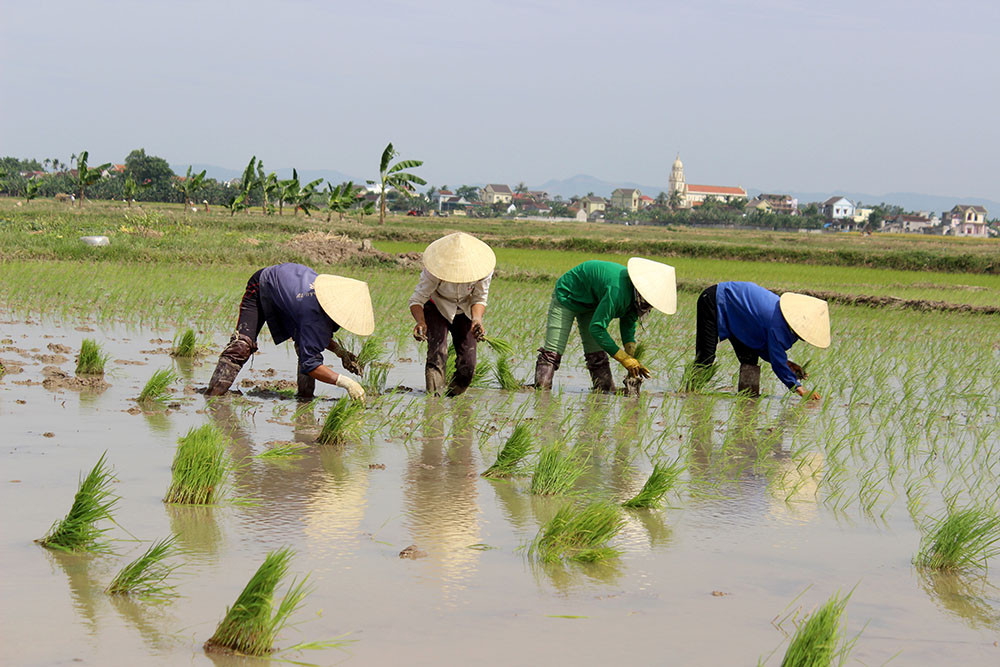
column 751, row 314
column 292, row 311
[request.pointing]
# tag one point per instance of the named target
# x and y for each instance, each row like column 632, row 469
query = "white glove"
column 355, row 390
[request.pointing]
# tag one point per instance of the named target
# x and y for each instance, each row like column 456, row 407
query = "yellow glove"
column 631, row 364
column 630, row 349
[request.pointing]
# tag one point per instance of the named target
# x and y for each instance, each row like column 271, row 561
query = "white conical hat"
column 656, row 282
column 808, row 317
column 347, row 302
column 459, row 258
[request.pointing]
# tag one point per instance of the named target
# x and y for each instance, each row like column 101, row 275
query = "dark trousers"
column 707, row 337
column 251, row 316
column 462, row 338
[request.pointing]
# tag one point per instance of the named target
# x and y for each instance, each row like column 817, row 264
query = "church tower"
column 677, row 183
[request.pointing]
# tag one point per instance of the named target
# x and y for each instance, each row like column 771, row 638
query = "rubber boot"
column 600, row 371
column 545, row 367
column 307, row 386
column 434, row 380
column 749, row 380
column 230, row 362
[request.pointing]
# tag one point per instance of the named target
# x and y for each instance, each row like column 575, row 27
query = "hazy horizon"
column 775, row 95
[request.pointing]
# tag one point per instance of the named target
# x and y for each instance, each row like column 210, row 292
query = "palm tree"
column 521, row 188
column 86, row 176
column 394, row 176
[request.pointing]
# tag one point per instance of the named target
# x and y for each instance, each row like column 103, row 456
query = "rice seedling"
column 155, row 391
column 94, row 500
column 509, row 458
column 578, row 534
column 252, row 623
column 283, row 450
column 343, row 422
column 185, row 344
column 145, row 577
column 200, row 467
column 661, row 480
column 820, row 641
column 963, row 539
column 502, row 347
column 375, row 376
column 557, row 470
column 91, row 359
column 372, row 349
column 504, row 376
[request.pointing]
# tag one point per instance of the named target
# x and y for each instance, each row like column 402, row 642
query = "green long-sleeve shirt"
column 604, row 289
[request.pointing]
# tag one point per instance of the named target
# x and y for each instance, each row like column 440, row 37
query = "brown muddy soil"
column 51, row 358
column 56, row 348
column 11, row 367
column 57, row 379
column 323, row 248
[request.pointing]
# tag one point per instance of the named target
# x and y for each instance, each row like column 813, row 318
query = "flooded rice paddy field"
column 781, row 503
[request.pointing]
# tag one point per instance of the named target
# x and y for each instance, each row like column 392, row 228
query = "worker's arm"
column 347, row 358
column 426, row 286
column 478, row 310
column 420, row 330
column 326, row 374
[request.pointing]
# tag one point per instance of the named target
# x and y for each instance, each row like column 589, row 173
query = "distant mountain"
column 581, row 184
column 305, row 175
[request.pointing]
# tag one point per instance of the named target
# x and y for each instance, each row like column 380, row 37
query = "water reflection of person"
column 440, row 495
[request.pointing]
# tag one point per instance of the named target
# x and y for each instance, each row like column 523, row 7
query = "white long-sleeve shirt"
column 450, row 298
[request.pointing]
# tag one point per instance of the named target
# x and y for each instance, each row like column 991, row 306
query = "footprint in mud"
column 51, row 358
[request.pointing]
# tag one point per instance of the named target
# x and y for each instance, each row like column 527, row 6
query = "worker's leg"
column 749, row 381
column 465, row 354
column 706, row 341
column 557, row 328
column 597, row 360
column 437, row 349
column 306, row 383
column 242, row 343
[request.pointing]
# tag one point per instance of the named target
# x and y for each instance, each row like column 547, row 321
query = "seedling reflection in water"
column 94, row 501
column 145, row 576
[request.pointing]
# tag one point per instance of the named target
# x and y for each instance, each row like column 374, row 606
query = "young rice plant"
column 963, row 539
column 557, row 470
column 509, row 457
column 155, row 391
column 185, row 344
column 91, row 359
column 343, row 422
column 661, row 480
column 578, row 534
column 200, row 467
column 820, row 641
column 94, row 501
column 145, row 576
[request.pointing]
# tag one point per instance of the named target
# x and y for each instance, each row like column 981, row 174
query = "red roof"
column 445, row 192
column 715, row 189
column 646, row 198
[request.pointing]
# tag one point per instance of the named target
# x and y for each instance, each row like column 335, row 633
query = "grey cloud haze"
column 859, row 96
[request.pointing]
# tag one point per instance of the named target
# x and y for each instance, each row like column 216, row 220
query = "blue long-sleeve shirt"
column 292, row 311
column 751, row 314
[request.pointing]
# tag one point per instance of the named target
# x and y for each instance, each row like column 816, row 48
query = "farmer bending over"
column 451, row 297
column 594, row 293
column 760, row 325
column 297, row 303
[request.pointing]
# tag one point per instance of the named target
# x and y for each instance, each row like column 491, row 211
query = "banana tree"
column 31, row 189
column 129, row 190
column 289, row 190
column 304, row 198
column 340, row 199
column 269, row 187
column 86, row 176
column 189, row 184
column 392, row 175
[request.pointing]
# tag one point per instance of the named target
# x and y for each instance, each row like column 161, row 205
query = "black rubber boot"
column 307, row 386
column 749, row 380
column 230, row 362
column 434, row 380
column 545, row 367
column 599, row 365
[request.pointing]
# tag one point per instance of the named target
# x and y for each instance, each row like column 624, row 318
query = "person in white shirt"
column 451, row 298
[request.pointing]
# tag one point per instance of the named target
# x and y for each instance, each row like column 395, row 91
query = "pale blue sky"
column 863, row 96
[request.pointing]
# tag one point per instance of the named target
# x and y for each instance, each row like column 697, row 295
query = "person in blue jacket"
column 307, row 307
column 760, row 325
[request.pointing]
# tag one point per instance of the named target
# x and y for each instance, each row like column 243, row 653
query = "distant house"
column 906, row 223
column 758, row 205
column 497, row 194
column 592, row 204
column 862, row 214
column 689, row 196
column 626, row 199
column 539, row 195
column 965, row 220
column 837, row 208
column 783, row 204
column 443, row 196
column 646, row 200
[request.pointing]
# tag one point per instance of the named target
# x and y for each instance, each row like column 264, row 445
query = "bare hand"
column 350, row 362
column 420, row 332
column 477, row 330
column 812, row 395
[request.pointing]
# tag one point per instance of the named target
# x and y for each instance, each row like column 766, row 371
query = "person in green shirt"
column 594, row 293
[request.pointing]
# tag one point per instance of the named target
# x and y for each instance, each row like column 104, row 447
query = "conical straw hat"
column 656, row 282
column 808, row 317
column 347, row 302
column 459, row 258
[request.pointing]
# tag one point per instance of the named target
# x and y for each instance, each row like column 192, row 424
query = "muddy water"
column 706, row 581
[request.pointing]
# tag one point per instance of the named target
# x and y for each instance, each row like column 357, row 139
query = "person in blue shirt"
column 759, row 325
column 307, row 307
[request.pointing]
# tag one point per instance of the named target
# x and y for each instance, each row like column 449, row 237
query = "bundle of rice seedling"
column 91, row 359
column 185, row 344
column 94, row 501
column 578, row 534
column 343, row 422
column 200, row 466
column 251, row 624
column 661, row 480
column 632, row 385
column 375, row 376
column 502, row 347
column 557, row 469
column 696, row 377
column 283, row 450
column 964, row 538
column 145, row 576
column 372, row 349
column 518, row 446
column 155, row 390
column 820, row 641
column 504, row 376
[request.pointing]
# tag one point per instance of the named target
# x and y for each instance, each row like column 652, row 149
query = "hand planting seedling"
column 578, row 534
column 94, row 501
column 91, row 359
column 145, row 576
column 660, row 481
column 517, row 446
column 200, row 466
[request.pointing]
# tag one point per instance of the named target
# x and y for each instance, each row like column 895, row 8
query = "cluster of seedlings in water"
column 558, row 468
column 963, row 539
column 91, row 359
column 201, row 465
column 343, row 423
column 820, row 640
column 661, row 480
column 146, row 576
column 94, row 501
column 579, row 534
column 514, row 450
column 155, row 392
column 185, row 345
